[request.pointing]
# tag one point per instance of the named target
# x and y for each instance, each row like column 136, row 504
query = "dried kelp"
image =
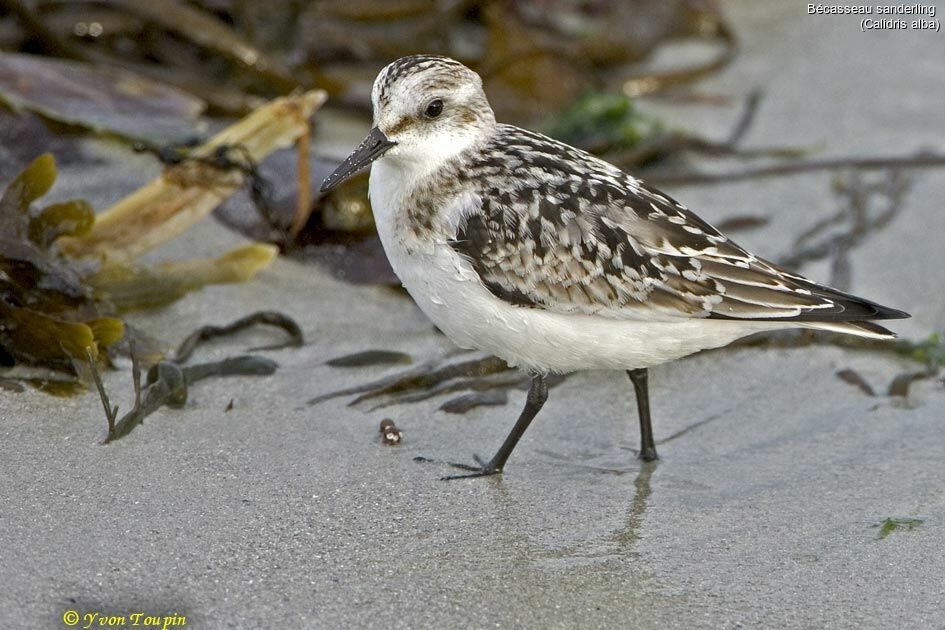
column 930, row 352
column 423, row 377
column 612, row 126
column 189, row 191
column 487, row 378
column 167, row 384
column 57, row 382
column 269, row 318
column 708, row 23
column 228, row 54
column 848, row 375
column 475, row 383
column 133, row 287
column 901, row 384
column 54, row 304
column 867, row 207
column 370, row 357
column 48, row 315
column 462, row 404
column 207, row 31
column 168, row 381
column 585, row 50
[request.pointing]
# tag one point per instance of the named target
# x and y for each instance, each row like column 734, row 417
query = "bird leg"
column 537, row 395
column 647, row 446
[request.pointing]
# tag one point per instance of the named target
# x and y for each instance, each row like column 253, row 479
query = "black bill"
column 374, row 146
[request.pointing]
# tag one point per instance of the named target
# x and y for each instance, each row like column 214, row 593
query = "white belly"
column 449, row 292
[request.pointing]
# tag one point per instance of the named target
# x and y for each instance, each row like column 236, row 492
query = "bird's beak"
column 374, row 146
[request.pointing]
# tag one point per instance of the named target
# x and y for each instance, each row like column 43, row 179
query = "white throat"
column 416, row 159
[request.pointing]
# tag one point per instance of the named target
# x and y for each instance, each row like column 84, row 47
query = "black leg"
column 537, row 395
column 647, row 446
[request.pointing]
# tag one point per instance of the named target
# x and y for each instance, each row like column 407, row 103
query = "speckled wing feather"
column 561, row 230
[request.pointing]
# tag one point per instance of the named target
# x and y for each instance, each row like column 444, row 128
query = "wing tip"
column 860, row 309
column 886, row 312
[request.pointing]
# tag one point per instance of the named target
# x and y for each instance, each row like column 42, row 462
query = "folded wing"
column 597, row 241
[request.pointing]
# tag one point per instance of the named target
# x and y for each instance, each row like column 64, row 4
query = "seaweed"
column 423, row 377
column 66, row 273
column 132, row 287
column 190, row 190
column 271, row 318
column 48, row 315
column 369, row 357
column 601, row 122
column 612, row 126
column 851, row 376
column 168, row 381
column 891, row 525
column 466, row 402
column 487, row 378
column 168, row 385
column 930, row 351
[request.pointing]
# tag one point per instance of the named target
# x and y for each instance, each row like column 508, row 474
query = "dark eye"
column 434, row 109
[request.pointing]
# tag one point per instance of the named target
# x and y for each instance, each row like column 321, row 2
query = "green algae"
column 930, row 351
column 601, row 122
column 891, row 525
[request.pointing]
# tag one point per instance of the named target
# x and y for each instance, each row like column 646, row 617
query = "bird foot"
column 481, row 469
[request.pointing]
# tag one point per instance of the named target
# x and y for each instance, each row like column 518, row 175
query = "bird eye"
column 435, row 108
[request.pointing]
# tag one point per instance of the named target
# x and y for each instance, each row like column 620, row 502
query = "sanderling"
column 552, row 259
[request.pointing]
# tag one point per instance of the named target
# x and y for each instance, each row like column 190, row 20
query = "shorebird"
column 554, row 260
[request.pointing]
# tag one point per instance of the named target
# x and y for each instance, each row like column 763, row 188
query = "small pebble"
column 390, row 434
